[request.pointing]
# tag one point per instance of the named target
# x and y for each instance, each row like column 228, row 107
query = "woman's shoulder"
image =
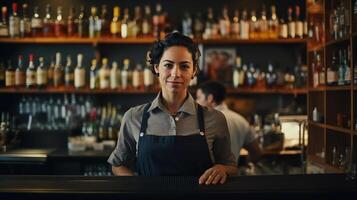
column 211, row 113
column 135, row 112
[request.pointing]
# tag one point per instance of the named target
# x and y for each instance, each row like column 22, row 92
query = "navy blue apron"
column 172, row 155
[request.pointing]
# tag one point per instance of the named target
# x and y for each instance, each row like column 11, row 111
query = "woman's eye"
column 168, row 65
column 185, row 67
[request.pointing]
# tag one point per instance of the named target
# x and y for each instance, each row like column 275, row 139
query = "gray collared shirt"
column 161, row 123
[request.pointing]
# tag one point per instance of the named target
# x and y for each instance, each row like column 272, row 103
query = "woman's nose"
column 175, row 71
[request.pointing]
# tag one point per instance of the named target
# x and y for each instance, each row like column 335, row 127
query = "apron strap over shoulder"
column 144, row 120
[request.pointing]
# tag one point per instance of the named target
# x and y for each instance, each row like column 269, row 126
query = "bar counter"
column 322, row 186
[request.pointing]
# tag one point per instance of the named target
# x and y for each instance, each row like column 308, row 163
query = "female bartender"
column 173, row 135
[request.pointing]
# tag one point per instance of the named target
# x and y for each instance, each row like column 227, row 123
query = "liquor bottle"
column 244, row 26
column 25, row 22
column 320, row 69
column 115, row 23
column 147, row 22
column 94, row 23
column 69, row 73
column 284, row 29
column 14, row 22
column 333, row 22
column 251, row 79
column 48, row 23
column 125, row 74
column 263, row 24
column 20, row 73
column 79, row 73
column 198, row 26
column 4, row 29
column 2, row 74
column 93, row 82
column 299, row 74
column 299, row 25
column 114, row 76
column 235, row 79
column 341, row 69
column 41, row 74
column 187, row 25
column 137, row 22
column 271, row 76
column 58, row 72
column 273, row 24
column 347, row 68
column 253, row 26
column 104, row 75
column 315, row 72
column 156, row 26
column 50, row 72
column 138, row 77
column 31, row 78
column 332, row 76
column 148, row 78
column 72, row 23
column 104, row 21
column 36, row 23
column 82, row 23
column 235, row 25
column 291, row 24
column 9, row 75
column 208, row 32
column 224, row 23
column 60, row 27
column 124, row 24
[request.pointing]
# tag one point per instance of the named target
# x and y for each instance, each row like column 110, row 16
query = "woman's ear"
column 156, row 68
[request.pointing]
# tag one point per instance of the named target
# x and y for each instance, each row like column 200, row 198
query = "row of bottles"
column 81, row 24
column 251, row 76
column 339, row 72
column 76, row 114
column 246, row 26
column 240, row 25
column 70, row 75
column 339, row 20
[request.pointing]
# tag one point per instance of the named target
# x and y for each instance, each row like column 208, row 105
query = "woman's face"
column 175, row 69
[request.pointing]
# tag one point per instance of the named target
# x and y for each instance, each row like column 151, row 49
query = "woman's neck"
column 173, row 101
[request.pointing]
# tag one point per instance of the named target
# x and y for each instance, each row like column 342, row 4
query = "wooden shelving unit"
column 333, row 101
column 144, row 40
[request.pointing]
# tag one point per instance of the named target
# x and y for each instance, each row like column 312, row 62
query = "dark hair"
column 154, row 55
column 215, row 88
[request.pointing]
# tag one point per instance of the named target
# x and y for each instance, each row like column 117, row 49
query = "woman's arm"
column 122, row 171
column 218, row 174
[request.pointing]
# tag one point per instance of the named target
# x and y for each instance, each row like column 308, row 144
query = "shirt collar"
column 222, row 106
column 189, row 106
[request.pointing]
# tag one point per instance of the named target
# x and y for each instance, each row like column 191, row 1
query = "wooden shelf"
column 316, row 48
column 338, row 129
column 252, row 41
column 61, row 90
column 315, row 9
column 338, row 88
column 333, row 42
column 68, row 40
column 316, row 159
column 320, row 125
column 142, row 40
column 317, row 89
column 248, row 90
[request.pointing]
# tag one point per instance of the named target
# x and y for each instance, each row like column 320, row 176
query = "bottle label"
column 79, row 78
column 114, row 29
column 20, row 78
column 299, row 29
column 30, row 78
column 9, row 78
column 292, row 31
column 36, row 23
column 41, row 77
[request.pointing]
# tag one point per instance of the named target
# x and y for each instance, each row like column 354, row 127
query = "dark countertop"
column 247, row 187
